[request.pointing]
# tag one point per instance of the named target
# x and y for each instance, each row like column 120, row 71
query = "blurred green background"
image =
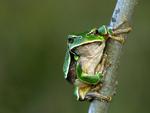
column 32, row 48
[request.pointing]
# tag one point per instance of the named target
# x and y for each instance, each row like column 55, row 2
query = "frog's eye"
column 70, row 40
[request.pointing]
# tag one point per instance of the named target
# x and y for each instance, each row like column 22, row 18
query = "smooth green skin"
column 88, row 78
column 78, row 40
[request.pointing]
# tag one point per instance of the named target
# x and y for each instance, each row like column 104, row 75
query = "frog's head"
column 75, row 40
column 81, row 39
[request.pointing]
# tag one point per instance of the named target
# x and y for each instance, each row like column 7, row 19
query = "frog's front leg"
column 121, row 31
column 115, row 34
column 118, row 31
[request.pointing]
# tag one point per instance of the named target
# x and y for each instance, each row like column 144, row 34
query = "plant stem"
column 123, row 10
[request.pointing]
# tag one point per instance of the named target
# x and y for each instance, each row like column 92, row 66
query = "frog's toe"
column 98, row 96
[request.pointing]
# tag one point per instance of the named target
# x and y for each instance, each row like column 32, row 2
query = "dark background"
column 32, row 48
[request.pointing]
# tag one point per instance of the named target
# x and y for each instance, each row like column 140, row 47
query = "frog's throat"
column 91, row 57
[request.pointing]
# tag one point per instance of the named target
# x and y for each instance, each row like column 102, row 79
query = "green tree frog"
column 85, row 60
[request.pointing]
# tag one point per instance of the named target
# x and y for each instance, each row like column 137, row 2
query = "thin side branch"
column 123, row 10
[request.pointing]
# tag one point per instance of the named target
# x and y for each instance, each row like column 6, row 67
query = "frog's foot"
column 115, row 34
column 122, row 28
column 118, row 38
column 121, row 31
column 98, row 96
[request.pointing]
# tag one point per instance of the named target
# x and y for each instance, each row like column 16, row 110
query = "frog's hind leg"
column 94, row 92
column 98, row 96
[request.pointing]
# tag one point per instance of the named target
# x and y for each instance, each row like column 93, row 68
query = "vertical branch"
column 123, row 10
